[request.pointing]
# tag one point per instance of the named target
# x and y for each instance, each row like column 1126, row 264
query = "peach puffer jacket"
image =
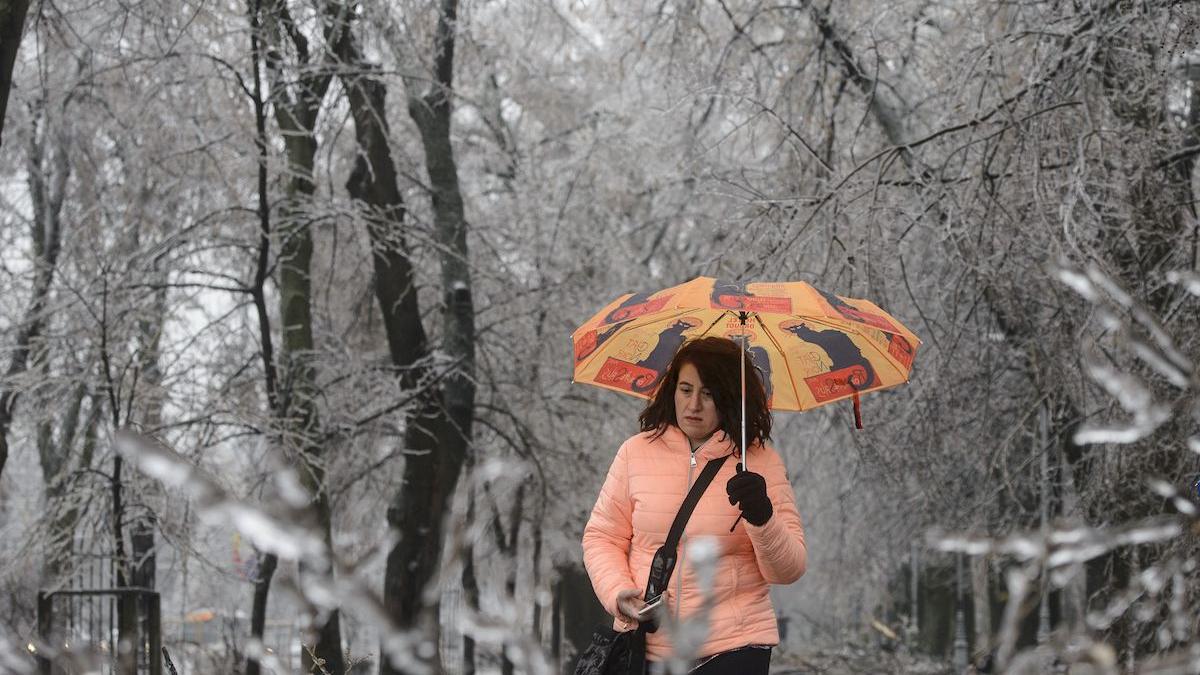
column 645, row 486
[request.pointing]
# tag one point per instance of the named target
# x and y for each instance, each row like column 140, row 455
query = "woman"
column 694, row 417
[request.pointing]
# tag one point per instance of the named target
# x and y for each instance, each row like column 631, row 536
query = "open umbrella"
column 811, row 347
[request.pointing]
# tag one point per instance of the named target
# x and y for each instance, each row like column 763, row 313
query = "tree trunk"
column 126, row 613
column 143, row 521
column 298, row 400
column 61, row 473
column 980, row 596
column 48, row 169
column 409, row 567
column 439, row 426
column 258, row 611
column 537, row 576
column 507, row 544
column 423, row 492
column 297, row 105
column 12, row 24
column 266, row 563
column 470, row 585
column 54, row 455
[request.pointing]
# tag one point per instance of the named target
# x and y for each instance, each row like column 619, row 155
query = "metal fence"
column 92, row 626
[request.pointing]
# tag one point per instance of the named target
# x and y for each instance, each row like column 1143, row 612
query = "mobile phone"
column 647, row 610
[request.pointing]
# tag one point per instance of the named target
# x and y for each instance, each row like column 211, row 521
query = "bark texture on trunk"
column 296, row 101
column 438, row 427
column 12, row 24
column 429, row 480
column 48, row 168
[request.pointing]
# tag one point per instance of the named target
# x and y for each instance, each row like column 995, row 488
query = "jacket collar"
column 717, row 445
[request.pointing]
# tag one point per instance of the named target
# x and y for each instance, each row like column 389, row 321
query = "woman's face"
column 695, row 412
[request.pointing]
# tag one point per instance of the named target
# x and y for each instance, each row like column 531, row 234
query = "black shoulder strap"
column 663, row 563
column 689, row 502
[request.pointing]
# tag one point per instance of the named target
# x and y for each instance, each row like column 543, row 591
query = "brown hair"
column 716, row 359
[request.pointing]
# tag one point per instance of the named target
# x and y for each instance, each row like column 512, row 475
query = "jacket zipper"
column 683, row 545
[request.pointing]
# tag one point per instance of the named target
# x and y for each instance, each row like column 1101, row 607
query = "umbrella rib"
column 888, row 358
column 783, row 354
column 715, row 322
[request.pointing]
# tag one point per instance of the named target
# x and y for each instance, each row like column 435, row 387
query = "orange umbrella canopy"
column 810, row 347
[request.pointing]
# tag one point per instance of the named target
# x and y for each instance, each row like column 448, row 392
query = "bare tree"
column 49, row 169
column 440, row 426
column 296, row 103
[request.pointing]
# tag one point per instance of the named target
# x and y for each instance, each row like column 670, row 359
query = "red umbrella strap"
column 857, row 411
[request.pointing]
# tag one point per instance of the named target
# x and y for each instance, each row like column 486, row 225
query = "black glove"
column 749, row 491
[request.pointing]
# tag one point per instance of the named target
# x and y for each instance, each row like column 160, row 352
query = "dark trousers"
column 744, row 661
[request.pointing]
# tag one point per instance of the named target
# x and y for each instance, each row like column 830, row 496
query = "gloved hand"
column 749, row 491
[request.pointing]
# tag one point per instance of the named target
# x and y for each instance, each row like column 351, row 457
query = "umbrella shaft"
column 742, row 360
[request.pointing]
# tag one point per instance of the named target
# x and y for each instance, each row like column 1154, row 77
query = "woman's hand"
column 628, row 604
column 749, row 491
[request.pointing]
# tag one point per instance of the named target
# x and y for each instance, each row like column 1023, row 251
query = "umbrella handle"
column 743, row 349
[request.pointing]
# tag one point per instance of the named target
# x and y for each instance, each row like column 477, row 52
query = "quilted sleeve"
column 608, row 533
column 779, row 543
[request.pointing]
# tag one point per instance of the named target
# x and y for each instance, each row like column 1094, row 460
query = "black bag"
column 614, row 653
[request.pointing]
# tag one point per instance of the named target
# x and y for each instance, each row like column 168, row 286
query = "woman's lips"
column 692, row 419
